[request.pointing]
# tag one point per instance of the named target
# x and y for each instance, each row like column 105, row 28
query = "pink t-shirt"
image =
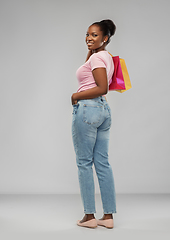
column 96, row 60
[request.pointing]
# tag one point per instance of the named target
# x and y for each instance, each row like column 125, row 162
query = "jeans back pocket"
column 92, row 113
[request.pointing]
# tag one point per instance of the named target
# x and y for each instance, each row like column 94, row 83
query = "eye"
column 87, row 34
column 94, row 35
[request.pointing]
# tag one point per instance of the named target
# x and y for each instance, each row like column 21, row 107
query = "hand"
column 73, row 99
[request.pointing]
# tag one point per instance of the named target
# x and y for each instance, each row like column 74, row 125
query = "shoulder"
column 102, row 55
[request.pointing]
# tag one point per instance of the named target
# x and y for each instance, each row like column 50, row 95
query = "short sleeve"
column 97, row 61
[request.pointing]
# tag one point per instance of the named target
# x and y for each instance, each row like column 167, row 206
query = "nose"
column 89, row 38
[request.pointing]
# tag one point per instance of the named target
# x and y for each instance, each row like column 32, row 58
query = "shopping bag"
column 125, row 76
column 117, row 79
column 120, row 80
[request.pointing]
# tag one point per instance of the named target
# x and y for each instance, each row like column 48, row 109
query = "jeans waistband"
column 100, row 99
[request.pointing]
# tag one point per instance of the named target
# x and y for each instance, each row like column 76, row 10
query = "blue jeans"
column 91, row 121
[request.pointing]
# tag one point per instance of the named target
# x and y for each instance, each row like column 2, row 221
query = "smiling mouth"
column 89, row 43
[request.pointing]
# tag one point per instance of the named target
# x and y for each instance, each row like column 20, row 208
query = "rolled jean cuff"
column 89, row 212
column 110, row 212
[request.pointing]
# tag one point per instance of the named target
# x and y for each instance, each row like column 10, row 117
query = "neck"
column 96, row 50
column 102, row 48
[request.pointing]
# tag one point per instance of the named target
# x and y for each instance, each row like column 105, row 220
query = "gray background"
column 42, row 44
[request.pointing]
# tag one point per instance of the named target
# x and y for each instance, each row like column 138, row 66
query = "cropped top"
column 96, row 60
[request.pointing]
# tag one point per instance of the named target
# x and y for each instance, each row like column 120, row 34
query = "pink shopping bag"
column 117, row 79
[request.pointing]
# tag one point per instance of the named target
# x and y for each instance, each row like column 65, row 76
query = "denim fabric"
column 91, row 122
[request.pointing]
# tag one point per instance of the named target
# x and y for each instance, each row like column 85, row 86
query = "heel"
column 108, row 223
column 90, row 224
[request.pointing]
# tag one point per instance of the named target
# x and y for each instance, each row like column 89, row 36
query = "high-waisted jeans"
column 91, row 121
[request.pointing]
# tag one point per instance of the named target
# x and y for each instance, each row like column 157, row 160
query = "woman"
column 91, row 125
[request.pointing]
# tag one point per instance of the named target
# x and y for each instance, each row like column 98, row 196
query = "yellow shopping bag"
column 125, row 76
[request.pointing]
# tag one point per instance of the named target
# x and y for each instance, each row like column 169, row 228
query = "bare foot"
column 87, row 217
column 106, row 216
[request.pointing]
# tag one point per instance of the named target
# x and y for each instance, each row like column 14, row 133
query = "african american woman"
column 91, row 122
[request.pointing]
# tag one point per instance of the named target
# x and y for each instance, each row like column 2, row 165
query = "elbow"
column 102, row 90
column 105, row 91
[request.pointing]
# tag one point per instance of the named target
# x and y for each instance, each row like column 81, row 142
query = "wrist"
column 75, row 96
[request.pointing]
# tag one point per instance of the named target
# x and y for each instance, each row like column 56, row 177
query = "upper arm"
column 100, row 77
column 98, row 67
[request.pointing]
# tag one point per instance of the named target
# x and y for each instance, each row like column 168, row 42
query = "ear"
column 105, row 38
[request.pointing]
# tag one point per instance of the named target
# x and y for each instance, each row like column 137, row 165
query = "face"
column 95, row 39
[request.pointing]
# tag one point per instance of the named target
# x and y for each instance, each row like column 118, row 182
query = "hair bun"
column 110, row 25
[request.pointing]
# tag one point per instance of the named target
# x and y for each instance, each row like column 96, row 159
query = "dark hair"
column 107, row 27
